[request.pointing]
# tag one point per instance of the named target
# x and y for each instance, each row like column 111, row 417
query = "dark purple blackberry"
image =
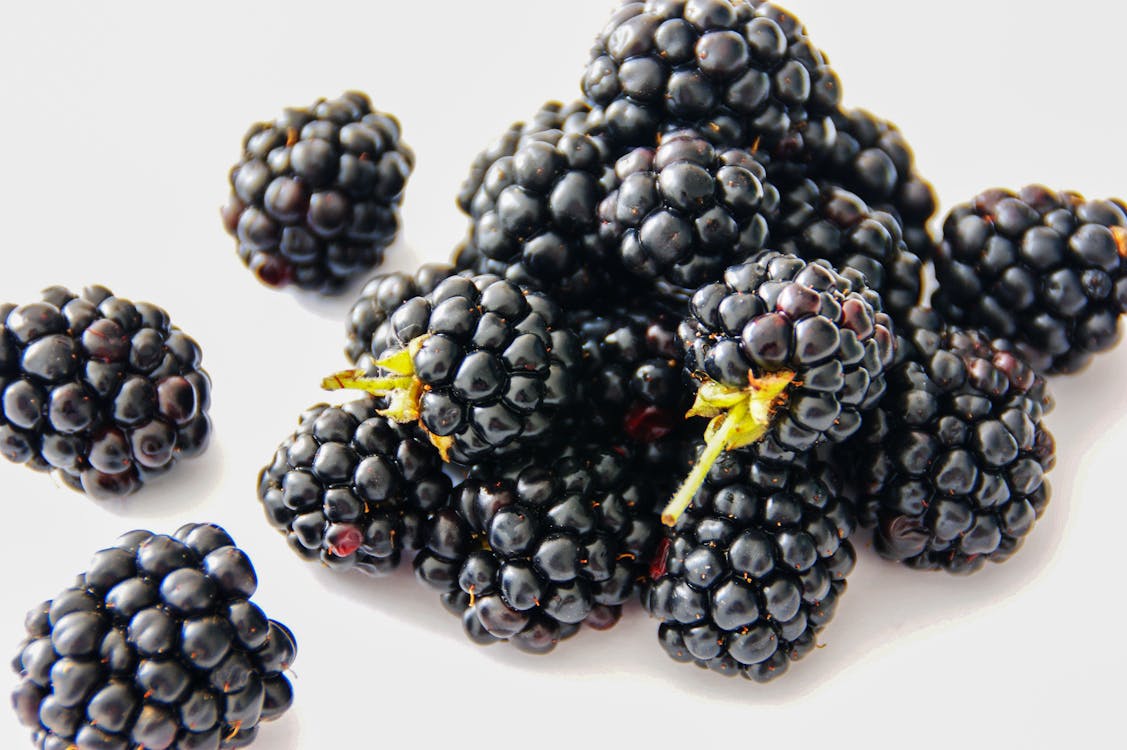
column 530, row 551
column 1045, row 270
column 753, row 570
column 156, row 646
column 369, row 334
column 823, row 222
column 315, row 197
column 102, row 392
column 352, row 489
column 482, row 365
column 951, row 465
column 783, row 352
column 535, row 216
column 546, row 125
column 685, row 211
column 871, row 158
column 741, row 70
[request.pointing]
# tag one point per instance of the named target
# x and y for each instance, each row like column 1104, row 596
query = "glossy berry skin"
column 369, row 334
column 315, row 196
column 1045, row 270
column 540, row 546
column 745, row 71
column 754, row 569
column 534, row 216
column 351, row 489
column 103, row 392
column 951, row 465
column 497, row 365
column 157, row 646
column 779, row 314
column 822, row 222
column 685, row 211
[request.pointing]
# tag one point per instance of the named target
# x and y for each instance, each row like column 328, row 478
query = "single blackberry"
column 1045, row 270
column 753, row 570
column 102, row 392
column 951, row 465
column 482, row 365
column 829, row 223
column 315, row 196
column 871, row 158
column 742, row 70
column 351, row 488
column 685, row 211
column 369, row 334
column 541, row 546
column 534, row 216
column 783, row 352
column 546, row 125
column 156, row 646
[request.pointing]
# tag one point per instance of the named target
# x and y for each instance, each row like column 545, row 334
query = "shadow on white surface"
column 186, row 486
column 283, row 734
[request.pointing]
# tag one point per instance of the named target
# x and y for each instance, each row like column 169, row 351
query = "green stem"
column 714, row 446
column 355, row 380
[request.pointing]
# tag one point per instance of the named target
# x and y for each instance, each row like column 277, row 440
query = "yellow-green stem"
column 716, row 443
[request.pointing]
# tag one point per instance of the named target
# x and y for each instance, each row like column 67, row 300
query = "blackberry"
column 315, row 196
column 351, row 488
column 783, row 351
column 753, row 571
column 482, row 365
column 534, row 217
column 104, row 393
column 742, row 70
column 951, row 464
column 529, row 551
column 829, row 223
column 685, row 211
column 156, row 646
column 546, row 125
column 369, row 334
column 871, row 158
column 1045, row 270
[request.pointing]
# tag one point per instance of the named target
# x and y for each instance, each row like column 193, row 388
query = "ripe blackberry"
column 351, row 488
column 951, row 465
column 369, row 334
column 782, row 351
column 315, row 197
column 1045, row 270
column 546, row 125
column 753, row 571
column 685, row 211
column 541, row 546
column 740, row 69
column 535, row 216
column 156, row 646
column 871, row 158
column 829, row 223
column 102, row 392
column 482, row 365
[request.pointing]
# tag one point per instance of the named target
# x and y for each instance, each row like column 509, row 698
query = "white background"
column 117, row 128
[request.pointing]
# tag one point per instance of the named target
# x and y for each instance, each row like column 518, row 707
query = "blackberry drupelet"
column 156, row 646
column 784, row 352
column 104, row 393
column 685, row 211
column 540, row 546
column 369, row 334
column 754, row 569
column 951, row 465
column 829, row 223
column 534, row 217
column 482, row 365
column 1045, row 270
column 871, row 158
column 740, row 70
column 353, row 489
column 315, row 197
